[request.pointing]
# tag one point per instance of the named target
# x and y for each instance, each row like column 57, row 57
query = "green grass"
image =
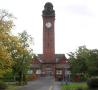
column 13, row 87
column 74, row 86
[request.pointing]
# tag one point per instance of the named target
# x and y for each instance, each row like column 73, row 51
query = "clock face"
column 48, row 24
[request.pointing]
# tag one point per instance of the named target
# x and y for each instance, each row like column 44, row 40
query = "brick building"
column 49, row 63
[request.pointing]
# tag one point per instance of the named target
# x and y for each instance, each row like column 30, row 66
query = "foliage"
column 22, row 56
column 74, row 86
column 84, row 62
column 3, row 86
column 93, row 82
column 6, row 24
column 78, row 62
column 15, row 51
column 92, row 63
column 8, row 76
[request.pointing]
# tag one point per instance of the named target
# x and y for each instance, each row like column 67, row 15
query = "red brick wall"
column 48, row 39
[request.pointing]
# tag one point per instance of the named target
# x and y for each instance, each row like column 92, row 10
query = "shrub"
column 8, row 77
column 79, row 89
column 3, row 86
column 93, row 82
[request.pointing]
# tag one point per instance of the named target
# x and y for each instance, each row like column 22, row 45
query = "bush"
column 93, row 82
column 8, row 77
column 3, row 86
column 79, row 89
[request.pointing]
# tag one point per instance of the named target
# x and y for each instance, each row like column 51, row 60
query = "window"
column 38, row 71
column 30, row 72
column 59, row 72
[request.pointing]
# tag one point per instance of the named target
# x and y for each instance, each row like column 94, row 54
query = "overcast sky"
column 76, row 22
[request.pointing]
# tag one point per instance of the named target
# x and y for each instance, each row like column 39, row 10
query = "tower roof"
column 48, row 4
column 48, row 10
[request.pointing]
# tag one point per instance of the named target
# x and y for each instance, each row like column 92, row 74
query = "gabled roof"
column 59, row 58
column 35, row 60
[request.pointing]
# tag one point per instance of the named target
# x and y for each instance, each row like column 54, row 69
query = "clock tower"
column 49, row 63
column 48, row 16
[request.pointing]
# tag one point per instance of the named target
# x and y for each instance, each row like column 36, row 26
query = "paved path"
column 57, row 86
column 46, row 83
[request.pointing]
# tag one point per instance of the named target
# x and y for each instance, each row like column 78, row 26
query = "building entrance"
column 49, row 71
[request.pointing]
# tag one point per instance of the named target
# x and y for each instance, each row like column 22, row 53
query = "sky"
column 76, row 22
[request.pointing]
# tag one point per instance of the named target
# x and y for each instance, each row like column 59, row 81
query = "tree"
column 78, row 61
column 6, row 24
column 22, row 56
column 15, row 51
column 93, row 63
column 84, row 61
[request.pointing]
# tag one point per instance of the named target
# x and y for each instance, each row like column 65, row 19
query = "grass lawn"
column 13, row 87
column 74, row 86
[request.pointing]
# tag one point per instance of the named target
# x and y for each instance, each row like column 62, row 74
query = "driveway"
column 46, row 83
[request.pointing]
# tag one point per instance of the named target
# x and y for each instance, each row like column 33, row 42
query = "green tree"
column 84, row 61
column 22, row 56
column 93, row 63
column 78, row 61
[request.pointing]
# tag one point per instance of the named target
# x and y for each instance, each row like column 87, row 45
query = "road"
column 46, row 83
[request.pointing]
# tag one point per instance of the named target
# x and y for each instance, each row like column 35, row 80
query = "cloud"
column 80, row 10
